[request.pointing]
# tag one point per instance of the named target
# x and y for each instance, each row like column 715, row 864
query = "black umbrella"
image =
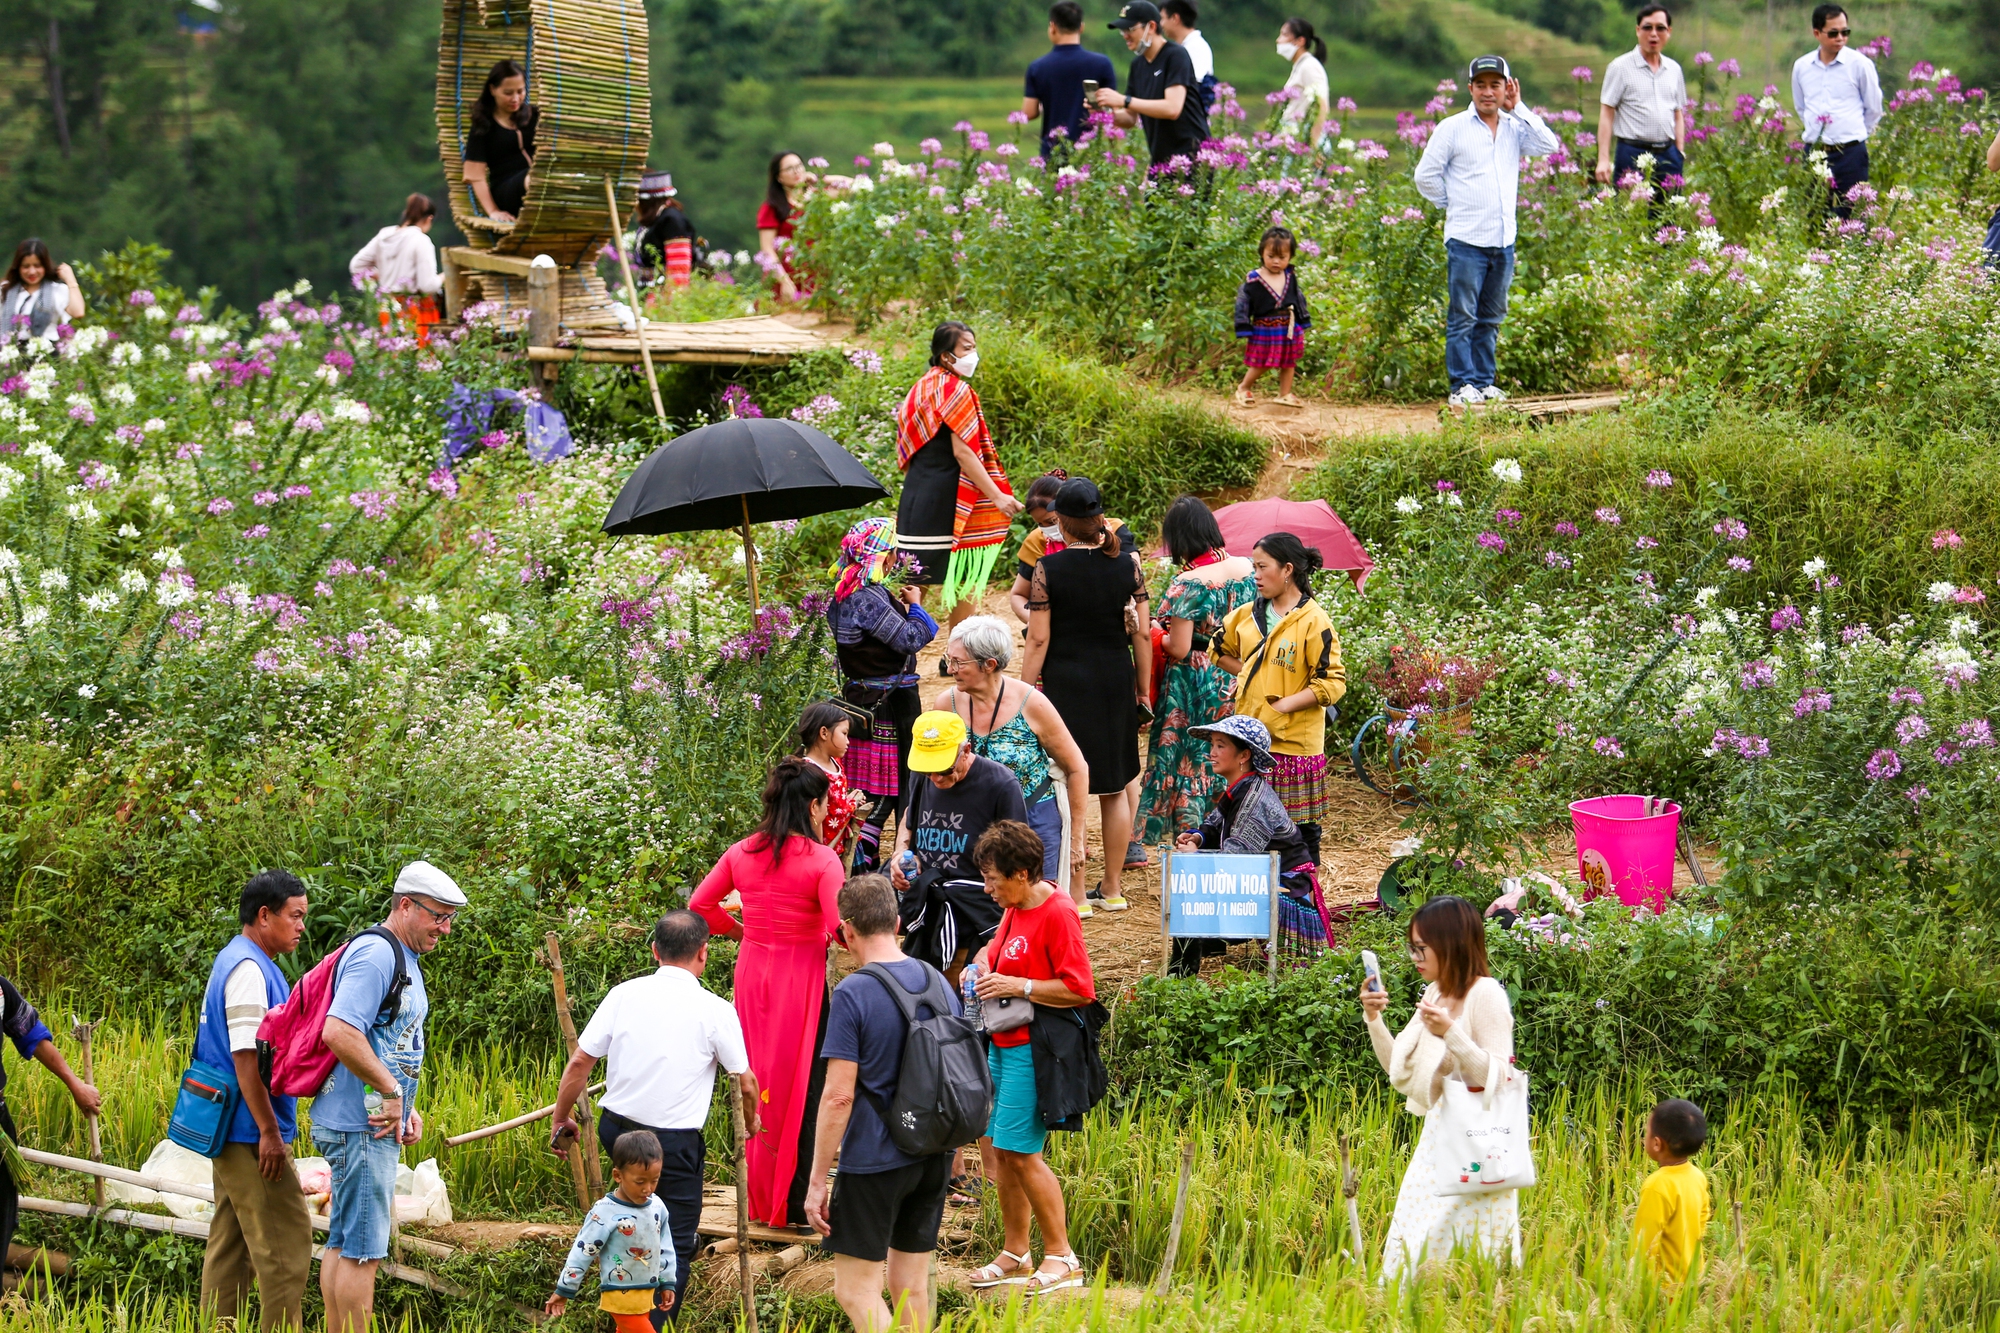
column 738, row 472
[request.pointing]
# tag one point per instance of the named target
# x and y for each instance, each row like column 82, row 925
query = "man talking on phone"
column 666, row 1036
column 1163, row 95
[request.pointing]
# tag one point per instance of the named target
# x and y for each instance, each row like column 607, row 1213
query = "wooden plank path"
column 1548, row 407
column 753, row 340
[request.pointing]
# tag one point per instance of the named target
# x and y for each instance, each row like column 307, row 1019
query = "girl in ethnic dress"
column 1271, row 314
column 823, row 739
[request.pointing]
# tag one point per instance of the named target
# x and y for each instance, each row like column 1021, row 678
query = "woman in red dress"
column 776, row 218
column 788, row 881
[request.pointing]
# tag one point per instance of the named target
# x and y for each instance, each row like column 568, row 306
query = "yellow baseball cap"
column 938, row 736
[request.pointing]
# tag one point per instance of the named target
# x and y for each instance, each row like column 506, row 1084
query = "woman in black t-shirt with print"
column 500, row 148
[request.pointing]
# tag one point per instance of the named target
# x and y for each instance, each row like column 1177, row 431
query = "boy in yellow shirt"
column 1673, row 1203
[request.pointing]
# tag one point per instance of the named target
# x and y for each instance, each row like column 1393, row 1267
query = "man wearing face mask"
column 1164, row 96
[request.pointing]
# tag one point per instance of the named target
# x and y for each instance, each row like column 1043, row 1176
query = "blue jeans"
column 1667, row 161
column 1478, row 278
column 364, row 1191
column 1045, row 818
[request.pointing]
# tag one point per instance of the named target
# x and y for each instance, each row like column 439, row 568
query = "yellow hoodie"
column 1304, row 654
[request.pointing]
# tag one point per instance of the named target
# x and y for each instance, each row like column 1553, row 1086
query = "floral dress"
column 1180, row 788
column 841, row 803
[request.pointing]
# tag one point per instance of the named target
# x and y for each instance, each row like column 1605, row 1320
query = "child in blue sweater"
column 626, row 1233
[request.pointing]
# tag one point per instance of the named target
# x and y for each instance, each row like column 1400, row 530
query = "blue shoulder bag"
column 204, row 1108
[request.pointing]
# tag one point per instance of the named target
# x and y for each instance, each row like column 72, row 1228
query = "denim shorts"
column 364, row 1191
column 1016, row 1123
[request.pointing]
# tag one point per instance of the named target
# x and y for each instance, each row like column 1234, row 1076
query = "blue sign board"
column 1226, row 895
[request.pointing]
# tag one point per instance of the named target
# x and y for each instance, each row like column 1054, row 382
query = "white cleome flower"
column 1409, row 504
column 122, row 394
column 1941, row 591
column 498, row 626
column 1706, row 595
column 132, row 580
column 424, row 602
column 127, row 531
column 167, row 557
column 83, row 511
column 124, row 354
column 86, row 691
column 1814, row 567
column 54, row 580
column 101, row 601
column 171, row 592
column 33, row 615
column 9, row 562
column 415, row 647
column 1507, row 470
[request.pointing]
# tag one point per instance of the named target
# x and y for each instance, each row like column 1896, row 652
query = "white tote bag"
column 1482, row 1137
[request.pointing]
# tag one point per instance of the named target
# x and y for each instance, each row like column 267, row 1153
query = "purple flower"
column 1947, row 754
column 1492, row 541
column 1753, row 747
column 1912, row 728
column 443, row 482
column 1446, row 487
column 737, row 402
column 1812, row 701
column 1568, row 529
column 221, row 505
column 82, row 412
column 1560, row 680
column 1757, row 675
column 1660, row 477
column 1557, row 560
column 340, row 359
column 1508, row 516
column 1945, row 538
column 1731, row 529
column 142, row 298
column 310, row 421
column 1786, row 617
column 1738, row 563
column 1607, row 516
column 1609, row 747
column 1903, row 694
column 1883, row 765
column 1644, row 543
column 1581, row 74
column 1729, row 69
column 1969, row 595
column 267, row 659
column 1976, row 733
column 1918, row 794
column 372, row 504
column 1703, row 58
column 297, row 492
column 260, row 530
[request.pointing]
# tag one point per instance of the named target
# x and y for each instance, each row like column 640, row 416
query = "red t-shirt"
column 768, row 220
column 1042, row 944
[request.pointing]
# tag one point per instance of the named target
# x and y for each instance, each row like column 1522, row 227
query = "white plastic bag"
column 1482, row 1137
column 421, row 1195
column 170, row 1161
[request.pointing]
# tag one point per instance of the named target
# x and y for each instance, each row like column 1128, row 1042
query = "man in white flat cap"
column 366, row 1112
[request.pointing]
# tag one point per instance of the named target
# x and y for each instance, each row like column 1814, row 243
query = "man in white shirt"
column 666, row 1036
column 1642, row 110
column 1471, row 168
column 1177, row 24
column 1839, row 101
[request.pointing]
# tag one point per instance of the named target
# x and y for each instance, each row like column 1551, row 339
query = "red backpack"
column 292, row 1054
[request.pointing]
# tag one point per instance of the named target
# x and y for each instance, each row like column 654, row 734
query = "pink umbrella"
column 1311, row 521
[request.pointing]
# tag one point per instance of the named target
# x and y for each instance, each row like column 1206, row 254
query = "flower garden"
column 283, row 587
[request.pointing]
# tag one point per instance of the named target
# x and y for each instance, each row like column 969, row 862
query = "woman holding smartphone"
column 1462, row 1025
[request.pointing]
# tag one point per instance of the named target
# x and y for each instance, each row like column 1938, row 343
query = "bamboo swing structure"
column 586, row 63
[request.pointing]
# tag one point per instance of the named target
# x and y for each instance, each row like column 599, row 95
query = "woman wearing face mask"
column 33, row 305
column 777, row 217
column 1046, row 536
column 956, row 502
column 1304, row 117
column 500, row 149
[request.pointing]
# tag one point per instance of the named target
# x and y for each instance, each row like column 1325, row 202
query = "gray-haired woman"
column 1017, row 727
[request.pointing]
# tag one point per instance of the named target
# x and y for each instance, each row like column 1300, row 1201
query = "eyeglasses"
column 442, row 918
column 1837, row 32
column 1419, row 952
column 1654, row 27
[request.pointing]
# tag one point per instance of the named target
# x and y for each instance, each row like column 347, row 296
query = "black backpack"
column 944, row 1094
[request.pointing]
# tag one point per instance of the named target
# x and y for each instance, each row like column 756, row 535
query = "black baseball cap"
column 1079, row 497
column 1139, row 11
column 1488, row 65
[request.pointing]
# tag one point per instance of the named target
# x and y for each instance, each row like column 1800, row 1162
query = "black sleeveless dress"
column 1087, row 673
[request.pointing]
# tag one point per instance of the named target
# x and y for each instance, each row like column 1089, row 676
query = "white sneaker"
column 1465, row 396
column 1492, row 393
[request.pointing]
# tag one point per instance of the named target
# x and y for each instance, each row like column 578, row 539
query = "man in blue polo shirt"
column 1054, row 89
column 262, row 1232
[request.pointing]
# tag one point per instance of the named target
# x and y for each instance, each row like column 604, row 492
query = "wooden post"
column 454, row 286
column 750, row 558
column 585, row 1171
column 83, row 1032
column 1166, row 890
column 1736, row 1213
column 544, row 316
column 632, row 295
column 1350, row 1187
column 1165, row 1282
column 743, row 1278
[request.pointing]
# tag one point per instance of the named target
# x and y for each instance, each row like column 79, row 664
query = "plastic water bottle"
column 907, row 863
column 967, row 980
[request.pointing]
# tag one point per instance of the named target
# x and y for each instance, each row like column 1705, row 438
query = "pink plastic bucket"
column 1621, row 849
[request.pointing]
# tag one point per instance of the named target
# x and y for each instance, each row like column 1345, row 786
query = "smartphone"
column 1090, row 93
column 1372, row 965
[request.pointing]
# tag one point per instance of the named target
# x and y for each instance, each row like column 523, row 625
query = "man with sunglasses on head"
column 1839, row 101
column 1642, row 111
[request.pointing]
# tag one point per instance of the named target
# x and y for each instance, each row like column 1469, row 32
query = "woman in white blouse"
column 1304, row 117
column 1463, row 1022
column 402, row 262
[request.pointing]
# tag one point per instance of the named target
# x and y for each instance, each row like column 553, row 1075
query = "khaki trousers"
column 261, row 1234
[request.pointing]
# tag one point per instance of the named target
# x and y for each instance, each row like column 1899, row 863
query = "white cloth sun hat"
column 426, row 880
